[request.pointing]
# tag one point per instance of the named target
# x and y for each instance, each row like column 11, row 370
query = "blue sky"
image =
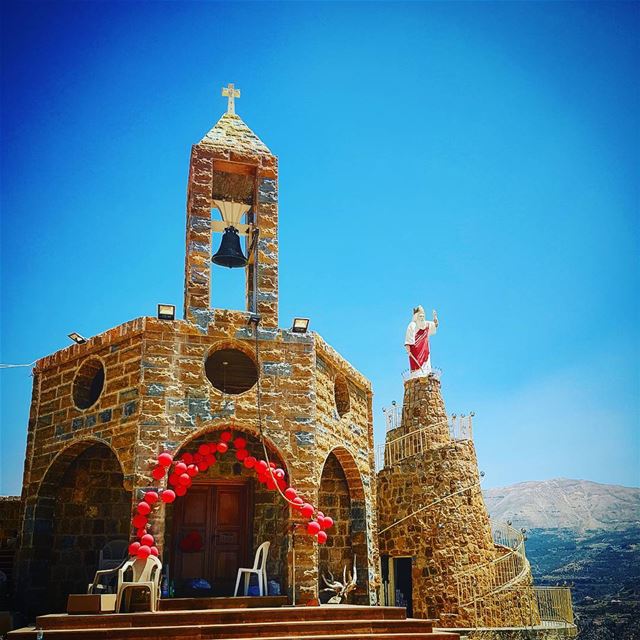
column 477, row 158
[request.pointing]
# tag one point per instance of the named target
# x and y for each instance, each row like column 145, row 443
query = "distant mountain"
column 579, row 505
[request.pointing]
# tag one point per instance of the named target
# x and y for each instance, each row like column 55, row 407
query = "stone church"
column 103, row 410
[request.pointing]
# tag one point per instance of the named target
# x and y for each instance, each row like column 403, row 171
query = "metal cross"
column 231, row 94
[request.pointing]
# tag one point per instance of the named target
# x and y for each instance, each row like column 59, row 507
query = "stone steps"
column 273, row 623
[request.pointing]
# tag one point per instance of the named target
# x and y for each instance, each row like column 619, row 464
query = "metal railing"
column 393, row 416
column 418, row 441
column 436, row 372
column 554, row 605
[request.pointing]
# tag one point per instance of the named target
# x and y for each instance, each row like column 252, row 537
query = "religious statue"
column 416, row 342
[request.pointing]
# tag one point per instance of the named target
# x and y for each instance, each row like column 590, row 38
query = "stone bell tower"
column 232, row 166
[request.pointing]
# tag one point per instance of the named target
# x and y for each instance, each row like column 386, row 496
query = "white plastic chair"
column 112, row 556
column 146, row 575
column 259, row 569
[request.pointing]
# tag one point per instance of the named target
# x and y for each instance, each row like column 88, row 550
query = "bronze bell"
column 230, row 253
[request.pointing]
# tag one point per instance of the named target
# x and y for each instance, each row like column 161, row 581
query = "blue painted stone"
column 105, row 416
column 199, row 407
column 305, row 439
column 59, row 429
column 91, row 420
column 268, row 191
column 77, row 423
column 276, row 369
column 155, row 389
column 198, row 247
column 129, row 409
column 202, row 318
column 198, row 223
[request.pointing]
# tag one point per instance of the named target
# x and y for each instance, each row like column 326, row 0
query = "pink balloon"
column 143, row 552
column 306, row 510
column 321, row 537
column 147, row 539
column 223, row 447
column 313, row 527
column 151, row 497
column 143, row 508
column 279, row 473
column 168, row 496
column 240, row 443
column 158, row 472
column 249, row 462
column 226, row 436
column 290, row 493
column 154, row 551
column 181, row 467
column 165, row 459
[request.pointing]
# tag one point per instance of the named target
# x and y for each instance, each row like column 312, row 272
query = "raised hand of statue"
column 435, row 317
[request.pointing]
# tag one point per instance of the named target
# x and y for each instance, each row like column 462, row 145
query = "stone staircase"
column 275, row 623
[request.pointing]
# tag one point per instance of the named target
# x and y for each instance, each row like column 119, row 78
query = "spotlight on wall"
column 166, row 312
column 300, row 325
column 77, row 338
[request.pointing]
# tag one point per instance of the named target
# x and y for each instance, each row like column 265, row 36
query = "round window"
column 231, row 371
column 88, row 383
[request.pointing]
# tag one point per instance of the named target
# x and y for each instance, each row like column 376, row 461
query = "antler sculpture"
column 344, row 588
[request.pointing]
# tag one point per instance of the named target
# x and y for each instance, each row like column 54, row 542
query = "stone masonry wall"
column 9, row 518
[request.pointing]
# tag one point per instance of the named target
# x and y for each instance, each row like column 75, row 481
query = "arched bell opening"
column 216, row 527
column 341, row 496
column 81, row 505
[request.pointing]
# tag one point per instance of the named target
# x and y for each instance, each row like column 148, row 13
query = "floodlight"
column 77, row 338
column 300, row 325
column 166, row 312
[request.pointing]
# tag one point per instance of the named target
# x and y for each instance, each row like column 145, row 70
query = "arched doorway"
column 225, row 515
column 81, row 505
column 341, row 494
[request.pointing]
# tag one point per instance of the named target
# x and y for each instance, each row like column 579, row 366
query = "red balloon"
column 298, row 502
column 313, row 527
column 181, row 490
column 279, row 473
column 202, row 466
column 241, row 454
column 155, row 552
column 158, row 472
column 187, row 458
column 320, row 519
column 223, row 447
column 198, row 457
column 327, row 522
column 226, row 436
column 261, row 466
column 320, row 514
column 321, row 537
column 133, row 548
column 249, row 462
column 282, row 485
column 140, row 532
column 210, row 459
column 306, row 510
column 168, row 496
column 147, row 539
column 139, row 521
column 143, row 552
column 262, row 478
column 272, row 465
column 165, row 459
column 290, row 493
column 184, row 479
column 151, row 497
column 271, row 485
column 204, row 449
column 192, row 470
column 240, row 443
column 173, row 479
column 181, row 467
column 143, row 508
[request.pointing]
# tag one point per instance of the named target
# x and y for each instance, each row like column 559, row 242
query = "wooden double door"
column 212, row 537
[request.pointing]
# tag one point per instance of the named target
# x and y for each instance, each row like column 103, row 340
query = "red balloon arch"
column 191, row 464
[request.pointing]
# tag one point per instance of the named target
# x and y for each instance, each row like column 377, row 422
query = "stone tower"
column 433, row 524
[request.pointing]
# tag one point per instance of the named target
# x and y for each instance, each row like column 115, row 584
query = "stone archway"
column 267, row 519
column 81, row 504
column 342, row 495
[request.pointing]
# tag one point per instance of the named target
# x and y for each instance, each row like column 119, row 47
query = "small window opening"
column 231, row 371
column 88, row 383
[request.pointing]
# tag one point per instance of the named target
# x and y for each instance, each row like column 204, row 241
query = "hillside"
column 580, row 505
column 583, row 534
